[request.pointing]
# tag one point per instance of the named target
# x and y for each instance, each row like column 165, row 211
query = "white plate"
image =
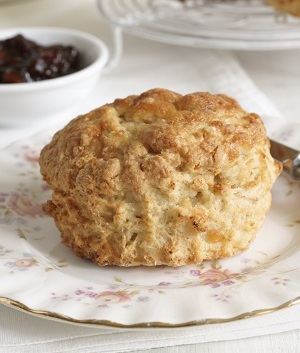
column 219, row 24
column 40, row 275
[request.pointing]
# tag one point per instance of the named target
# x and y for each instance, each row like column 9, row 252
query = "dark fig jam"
column 22, row 60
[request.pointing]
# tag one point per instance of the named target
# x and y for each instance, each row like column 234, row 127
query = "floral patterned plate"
column 40, row 275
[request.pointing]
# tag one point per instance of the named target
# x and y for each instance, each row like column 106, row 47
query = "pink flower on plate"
column 215, row 277
column 111, row 297
column 22, row 264
column 23, row 206
column 31, row 156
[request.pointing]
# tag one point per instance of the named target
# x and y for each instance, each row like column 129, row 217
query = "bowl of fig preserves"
column 46, row 71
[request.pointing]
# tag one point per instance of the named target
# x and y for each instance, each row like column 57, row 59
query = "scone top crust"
column 157, row 179
column 192, row 130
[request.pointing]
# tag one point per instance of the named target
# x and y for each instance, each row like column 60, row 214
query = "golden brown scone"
column 160, row 179
column 290, row 6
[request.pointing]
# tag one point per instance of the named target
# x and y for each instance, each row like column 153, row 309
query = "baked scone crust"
column 290, row 6
column 160, row 179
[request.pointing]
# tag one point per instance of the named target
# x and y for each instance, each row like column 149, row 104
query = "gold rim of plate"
column 155, row 324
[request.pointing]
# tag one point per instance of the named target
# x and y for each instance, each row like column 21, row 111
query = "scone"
column 160, row 179
column 290, row 6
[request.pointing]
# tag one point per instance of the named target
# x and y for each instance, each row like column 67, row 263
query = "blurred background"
column 145, row 64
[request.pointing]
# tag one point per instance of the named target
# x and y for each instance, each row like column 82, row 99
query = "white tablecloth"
column 276, row 74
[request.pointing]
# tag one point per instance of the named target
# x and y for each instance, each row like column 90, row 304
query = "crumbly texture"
column 290, row 6
column 160, row 179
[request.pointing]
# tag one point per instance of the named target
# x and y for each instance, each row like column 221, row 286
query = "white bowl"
column 27, row 103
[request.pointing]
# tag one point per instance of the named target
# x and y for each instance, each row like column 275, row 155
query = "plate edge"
column 154, row 324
